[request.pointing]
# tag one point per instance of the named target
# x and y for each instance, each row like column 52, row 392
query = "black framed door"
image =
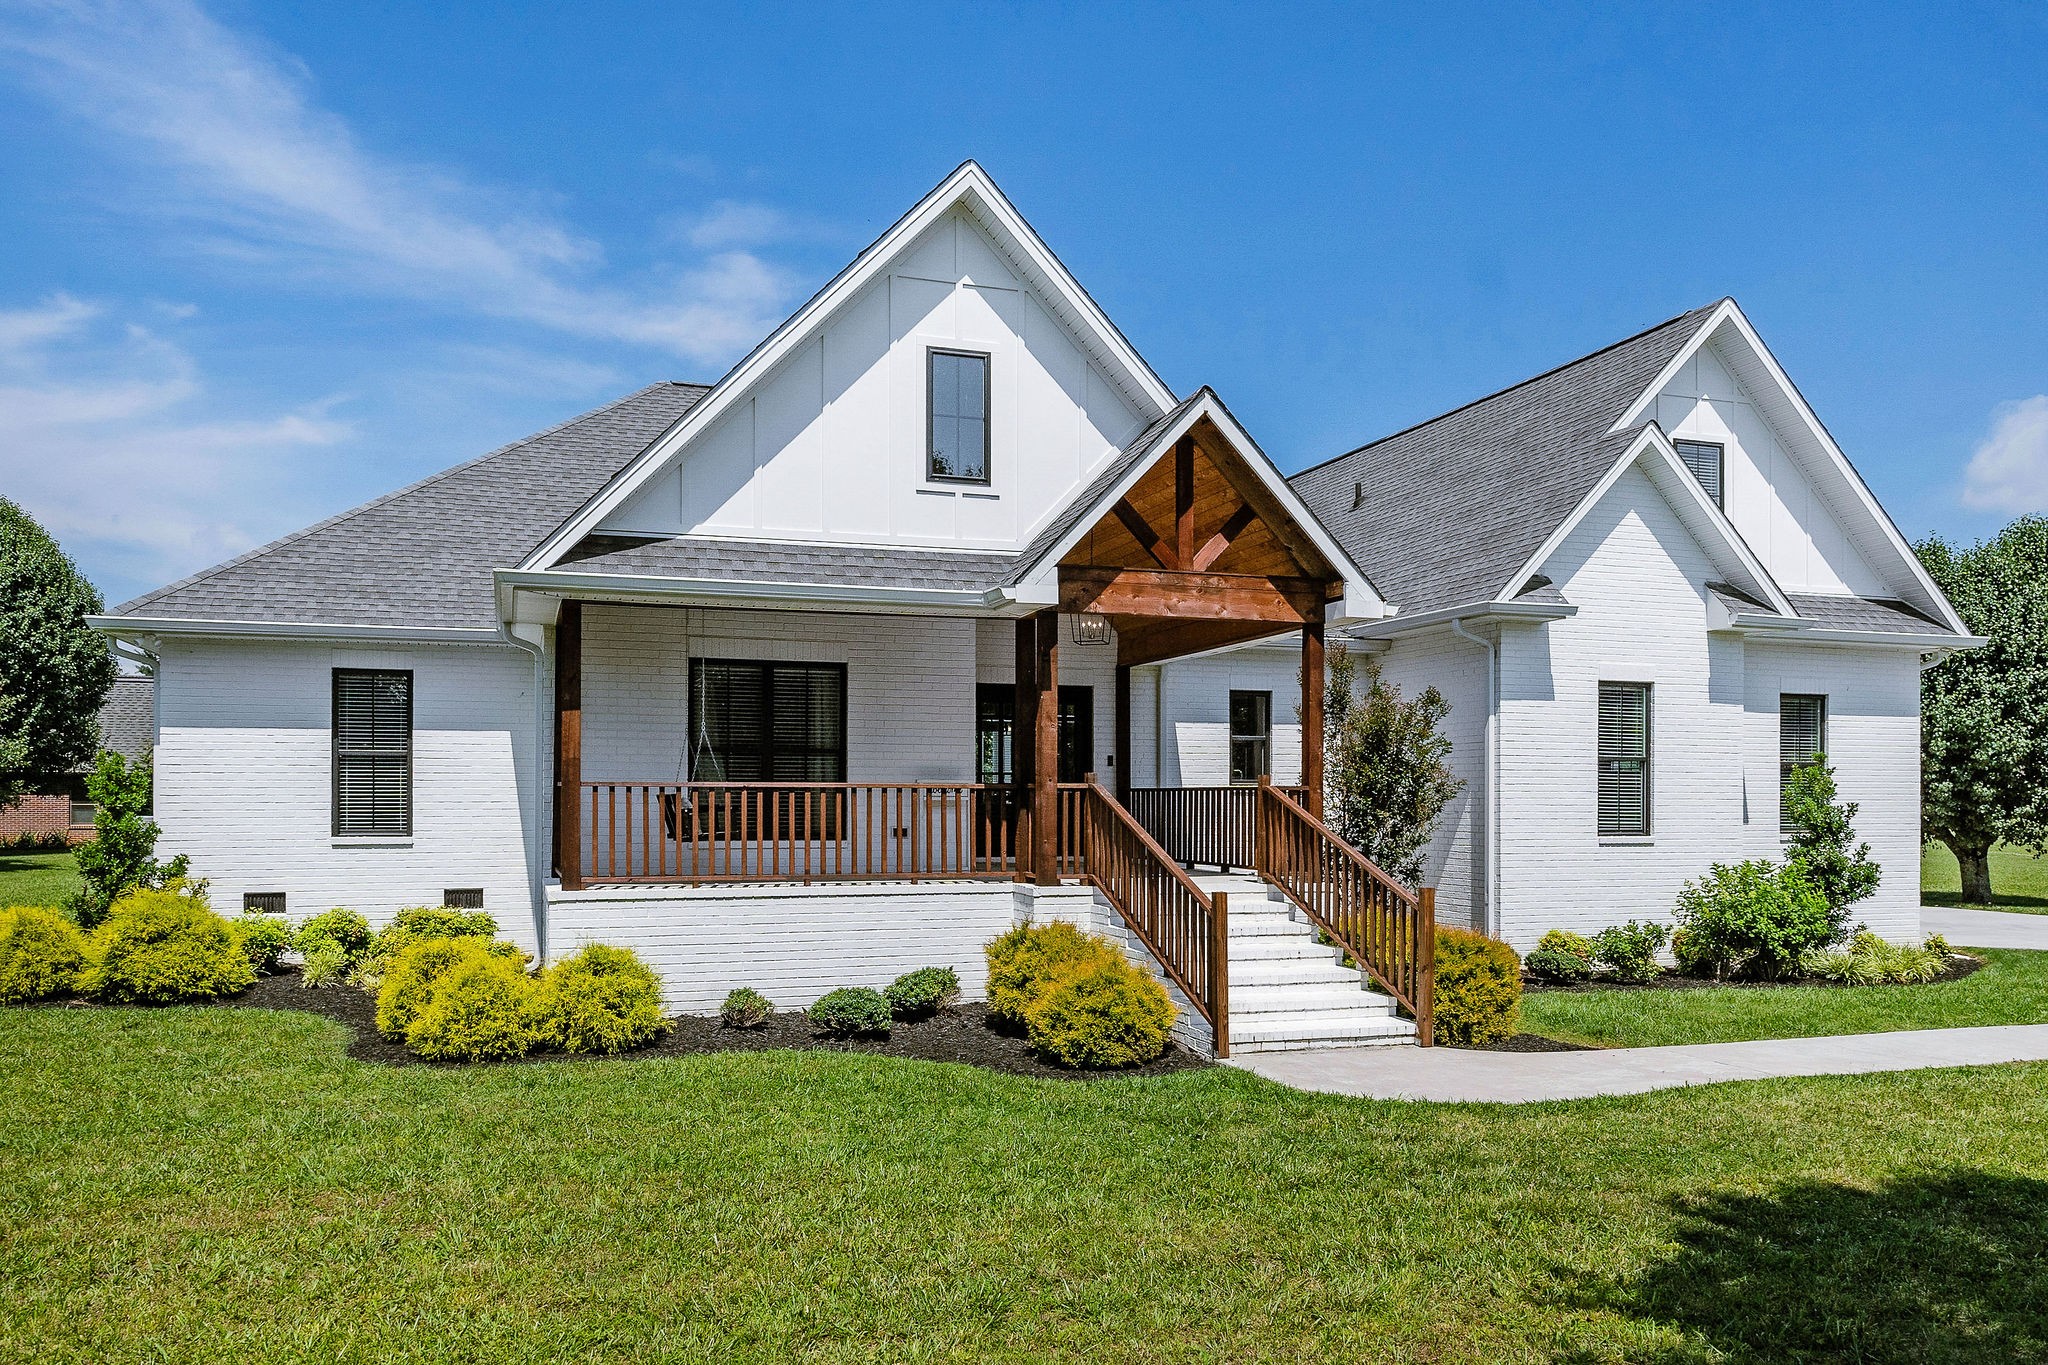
column 995, row 744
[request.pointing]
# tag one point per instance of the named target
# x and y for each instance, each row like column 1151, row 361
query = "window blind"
column 768, row 722
column 1624, row 760
column 1802, row 738
column 372, row 752
column 1705, row 460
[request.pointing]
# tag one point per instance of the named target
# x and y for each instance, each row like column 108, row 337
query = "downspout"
column 536, row 873
column 1492, row 648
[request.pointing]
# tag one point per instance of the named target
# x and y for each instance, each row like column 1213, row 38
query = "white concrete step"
column 1293, row 972
column 1292, row 1032
column 1273, row 946
column 1309, row 999
column 1269, row 926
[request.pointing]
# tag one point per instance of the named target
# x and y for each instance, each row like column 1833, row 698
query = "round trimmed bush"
column 480, row 1009
column 409, row 982
column 604, row 999
column 42, row 954
column 416, row 922
column 344, row 928
column 851, row 1011
column 1101, row 1013
column 1551, row 964
column 1565, row 941
column 1478, row 989
column 158, row 946
column 1022, row 961
column 923, row 993
column 265, row 939
column 745, row 1008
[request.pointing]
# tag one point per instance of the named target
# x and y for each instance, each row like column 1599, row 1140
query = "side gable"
column 819, row 434
column 1790, row 491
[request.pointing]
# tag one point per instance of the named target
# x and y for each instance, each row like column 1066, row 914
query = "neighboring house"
column 798, row 679
column 57, row 808
column 1649, row 583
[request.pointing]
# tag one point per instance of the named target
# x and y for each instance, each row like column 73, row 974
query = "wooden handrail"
column 1387, row 929
column 1184, row 928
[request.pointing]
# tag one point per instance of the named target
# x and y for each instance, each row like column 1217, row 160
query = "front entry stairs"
column 1289, row 992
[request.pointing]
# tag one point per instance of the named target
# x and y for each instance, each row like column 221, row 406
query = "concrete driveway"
column 1985, row 928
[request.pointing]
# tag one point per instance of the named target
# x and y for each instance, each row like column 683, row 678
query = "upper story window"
column 372, row 752
column 958, row 390
column 1251, row 736
column 1802, row 739
column 1624, row 758
column 1706, row 460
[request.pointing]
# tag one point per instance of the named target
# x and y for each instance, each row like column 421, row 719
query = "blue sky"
column 264, row 262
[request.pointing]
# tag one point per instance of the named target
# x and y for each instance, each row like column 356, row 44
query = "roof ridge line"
column 202, row 575
column 1508, row 389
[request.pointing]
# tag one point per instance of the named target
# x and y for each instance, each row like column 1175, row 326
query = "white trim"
column 726, row 592
column 1470, row 611
column 968, row 184
column 142, row 626
column 1729, row 313
column 1652, row 438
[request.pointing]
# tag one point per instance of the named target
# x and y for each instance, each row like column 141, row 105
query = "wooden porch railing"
column 1202, row 826
column 1184, row 928
column 1388, row 929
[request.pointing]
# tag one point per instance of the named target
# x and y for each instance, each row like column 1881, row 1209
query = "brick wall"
column 40, row 817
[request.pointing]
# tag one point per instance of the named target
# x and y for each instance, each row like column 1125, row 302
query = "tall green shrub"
column 1387, row 766
column 122, row 854
column 1478, row 989
column 55, row 673
column 1824, row 842
column 1753, row 919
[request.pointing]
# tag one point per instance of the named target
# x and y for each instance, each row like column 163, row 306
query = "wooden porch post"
column 1045, row 742
column 1312, row 711
column 1123, row 734
column 569, row 746
column 1024, row 745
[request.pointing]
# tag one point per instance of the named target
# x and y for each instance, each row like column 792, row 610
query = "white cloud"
column 249, row 152
column 107, row 439
column 733, row 223
column 2009, row 469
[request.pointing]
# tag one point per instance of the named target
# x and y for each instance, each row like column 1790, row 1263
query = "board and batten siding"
column 244, row 777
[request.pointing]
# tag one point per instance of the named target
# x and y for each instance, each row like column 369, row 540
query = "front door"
column 995, row 753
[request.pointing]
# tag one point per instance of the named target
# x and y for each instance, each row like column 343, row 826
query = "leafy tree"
column 54, row 672
column 1821, row 844
column 122, row 854
column 1984, row 712
column 1386, row 768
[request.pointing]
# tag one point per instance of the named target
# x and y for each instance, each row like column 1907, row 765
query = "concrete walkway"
column 1985, row 928
column 1443, row 1073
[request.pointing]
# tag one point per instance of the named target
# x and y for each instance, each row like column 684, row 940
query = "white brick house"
column 798, row 679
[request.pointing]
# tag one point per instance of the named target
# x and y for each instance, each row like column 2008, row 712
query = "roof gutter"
column 140, row 627
column 1471, row 612
column 1807, row 631
column 727, row 592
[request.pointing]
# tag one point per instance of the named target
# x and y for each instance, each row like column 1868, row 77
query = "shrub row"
column 1079, row 1000
column 469, row 998
column 157, row 946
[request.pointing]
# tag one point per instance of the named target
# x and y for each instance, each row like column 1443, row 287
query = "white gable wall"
column 831, row 445
column 1769, row 497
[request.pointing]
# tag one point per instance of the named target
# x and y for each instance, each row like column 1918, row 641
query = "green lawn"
column 219, row 1184
column 2019, row 880
column 2012, row 988
column 37, row 878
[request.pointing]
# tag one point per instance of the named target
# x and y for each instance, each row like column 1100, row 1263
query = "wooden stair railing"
column 1210, row 826
column 1387, row 929
column 1184, row 928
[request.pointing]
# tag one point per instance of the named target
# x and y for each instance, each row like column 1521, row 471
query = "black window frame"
column 1719, row 492
column 931, row 417
column 1604, row 765
column 402, row 830
column 1786, row 829
column 766, row 751
column 1263, row 739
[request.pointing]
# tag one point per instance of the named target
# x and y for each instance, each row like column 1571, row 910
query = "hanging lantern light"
column 1091, row 629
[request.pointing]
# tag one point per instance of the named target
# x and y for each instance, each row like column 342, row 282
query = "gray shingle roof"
column 782, row 561
column 423, row 556
column 1441, row 514
column 1863, row 613
column 128, row 718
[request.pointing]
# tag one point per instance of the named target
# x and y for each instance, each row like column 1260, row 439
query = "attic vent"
column 263, row 902
column 466, row 898
column 1357, row 495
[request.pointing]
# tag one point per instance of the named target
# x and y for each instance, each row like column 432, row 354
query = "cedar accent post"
column 1023, row 745
column 1425, row 966
column 569, row 745
column 1312, row 711
column 1219, row 972
column 1184, row 501
column 1045, row 742
column 1123, row 734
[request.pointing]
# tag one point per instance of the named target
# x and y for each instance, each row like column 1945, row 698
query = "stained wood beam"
column 1248, row 487
column 1189, row 596
column 1148, row 539
column 1213, row 548
column 1184, row 500
column 1150, row 642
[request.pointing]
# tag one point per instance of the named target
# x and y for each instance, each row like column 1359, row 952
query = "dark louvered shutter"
column 1704, row 459
column 372, row 752
column 1624, row 758
column 768, row 722
column 1802, row 738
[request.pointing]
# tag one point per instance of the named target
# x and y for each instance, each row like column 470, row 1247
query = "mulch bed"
column 1960, row 965
column 961, row 1034
column 1531, row 1042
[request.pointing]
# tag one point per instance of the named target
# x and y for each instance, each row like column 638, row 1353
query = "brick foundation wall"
column 41, row 817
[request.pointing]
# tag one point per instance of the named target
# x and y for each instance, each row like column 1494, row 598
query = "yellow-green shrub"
column 479, row 1009
column 604, row 999
column 409, row 981
column 1023, row 960
column 1100, row 1012
column 1478, row 989
column 1565, row 941
column 162, row 945
column 41, row 954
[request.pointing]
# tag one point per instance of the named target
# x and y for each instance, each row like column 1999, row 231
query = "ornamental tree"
column 1386, row 767
column 54, row 672
column 1824, row 844
column 1984, row 712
